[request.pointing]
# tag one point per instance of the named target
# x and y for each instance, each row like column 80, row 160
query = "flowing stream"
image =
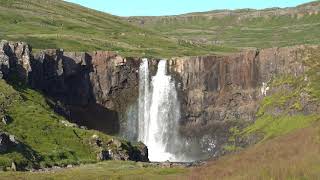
column 159, row 113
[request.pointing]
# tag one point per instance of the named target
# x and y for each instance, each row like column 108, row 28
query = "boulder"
column 116, row 143
column 6, row 142
column 13, row 166
column 115, row 149
column 103, row 155
column 141, row 154
column 6, row 119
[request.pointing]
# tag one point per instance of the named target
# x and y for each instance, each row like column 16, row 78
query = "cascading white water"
column 144, row 101
column 159, row 113
column 154, row 120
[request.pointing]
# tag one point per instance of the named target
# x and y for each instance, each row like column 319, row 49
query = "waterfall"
column 144, row 101
column 159, row 113
column 154, row 120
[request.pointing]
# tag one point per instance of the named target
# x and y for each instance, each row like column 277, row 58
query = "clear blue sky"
column 172, row 7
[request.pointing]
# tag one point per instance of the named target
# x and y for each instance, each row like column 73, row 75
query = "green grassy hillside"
column 46, row 139
column 242, row 28
column 58, row 24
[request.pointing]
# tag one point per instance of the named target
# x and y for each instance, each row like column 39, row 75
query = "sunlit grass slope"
column 59, row 24
column 244, row 28
column 45, row 140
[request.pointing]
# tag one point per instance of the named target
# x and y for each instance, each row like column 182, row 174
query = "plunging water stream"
column 144, row 101
column 154, row 120
column 159, row 113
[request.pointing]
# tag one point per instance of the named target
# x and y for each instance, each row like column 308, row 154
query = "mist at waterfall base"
column 154, row 119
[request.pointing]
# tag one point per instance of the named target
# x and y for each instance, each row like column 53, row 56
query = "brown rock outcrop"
column 217, row 92
column 91, row 89
column 7, row 142
column 94, row 87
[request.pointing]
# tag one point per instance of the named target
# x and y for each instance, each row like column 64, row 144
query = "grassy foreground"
column 104, row 170
column 291, row 156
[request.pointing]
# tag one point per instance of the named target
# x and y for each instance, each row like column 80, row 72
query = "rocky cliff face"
column 218, row 92
column 15, row 59
column 91, row 89
column 96, row 89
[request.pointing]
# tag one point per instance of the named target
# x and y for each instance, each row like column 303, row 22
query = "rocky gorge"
column 216, row 93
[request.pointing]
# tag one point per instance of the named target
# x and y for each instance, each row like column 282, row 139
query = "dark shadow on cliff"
column 67, row 82
column 95, row 116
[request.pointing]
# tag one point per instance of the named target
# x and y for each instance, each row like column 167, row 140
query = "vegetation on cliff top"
column 59, row 24
column 242, row 28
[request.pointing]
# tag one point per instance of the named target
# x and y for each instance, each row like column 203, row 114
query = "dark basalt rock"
column 141, row 153
column 91, row 88
column 7, row 142
column 15, row 59
column 219, row 92
column 103, row 155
